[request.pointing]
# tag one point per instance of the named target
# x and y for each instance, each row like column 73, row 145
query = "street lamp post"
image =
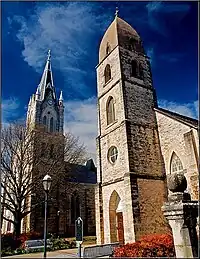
column 58, row 218
column 46, row 184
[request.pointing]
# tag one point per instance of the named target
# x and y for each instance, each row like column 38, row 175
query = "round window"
column 112, row 154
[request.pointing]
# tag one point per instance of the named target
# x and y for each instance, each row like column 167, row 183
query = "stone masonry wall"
column 114, row 62
column 61, row 223
column 117, row 138
column 144, row 150
column 181, row 139
column 151, row 199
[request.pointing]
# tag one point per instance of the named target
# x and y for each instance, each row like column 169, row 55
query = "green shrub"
column 62, row 243
column 90, row 239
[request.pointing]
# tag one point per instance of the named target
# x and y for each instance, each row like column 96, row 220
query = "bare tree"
column 28, row 155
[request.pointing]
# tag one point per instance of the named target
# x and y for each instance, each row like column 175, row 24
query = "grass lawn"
column 87, row 240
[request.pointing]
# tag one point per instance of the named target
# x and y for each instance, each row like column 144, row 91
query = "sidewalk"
column 66, row 253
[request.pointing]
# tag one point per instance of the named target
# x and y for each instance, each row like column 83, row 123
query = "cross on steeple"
column 116, row 12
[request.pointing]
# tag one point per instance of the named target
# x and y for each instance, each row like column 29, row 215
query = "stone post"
column 182, row 214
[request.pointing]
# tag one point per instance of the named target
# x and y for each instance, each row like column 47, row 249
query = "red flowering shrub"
column 28, row 236
column 154, row 245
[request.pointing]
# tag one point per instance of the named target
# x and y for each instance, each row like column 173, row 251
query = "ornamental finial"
column 116, row 12
column 61, row 97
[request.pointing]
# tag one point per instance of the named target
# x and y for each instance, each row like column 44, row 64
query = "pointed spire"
column 116, row 12
column 29, row 103
column 49, row 55
column 37, row 94
column 61, row 98
column 47, row 78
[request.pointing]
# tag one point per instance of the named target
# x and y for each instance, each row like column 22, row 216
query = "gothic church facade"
column 70, row 196
column 138, row 143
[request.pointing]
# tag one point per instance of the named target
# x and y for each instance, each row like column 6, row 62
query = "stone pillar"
column 181, row 214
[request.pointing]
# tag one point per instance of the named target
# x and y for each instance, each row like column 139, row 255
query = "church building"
column 138, row 143
column 72, row 191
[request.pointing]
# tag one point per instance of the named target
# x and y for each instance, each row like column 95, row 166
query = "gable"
column 178, row 117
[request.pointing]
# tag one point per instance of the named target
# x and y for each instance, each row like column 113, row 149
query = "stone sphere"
column 176, row 182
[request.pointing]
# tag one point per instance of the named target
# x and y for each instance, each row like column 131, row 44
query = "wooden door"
column 120, row 227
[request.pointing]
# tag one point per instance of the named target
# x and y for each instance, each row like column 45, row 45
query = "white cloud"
column 68, row 29
column 187, row 109
column 10, row 110
column 81, row 120
column 156, row 13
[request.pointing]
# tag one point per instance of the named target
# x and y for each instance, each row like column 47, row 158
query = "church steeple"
column 47, row 79
column 44, row 107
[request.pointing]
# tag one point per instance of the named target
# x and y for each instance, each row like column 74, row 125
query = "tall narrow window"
column 51, row 152
column 8, row 226
column 107, row 49
column 134, row 68
column 176, row 164
column 107, row 73
column 110, row 109
column 140, row 71
column 45, row 120
column 51, row 124
column 75, row 207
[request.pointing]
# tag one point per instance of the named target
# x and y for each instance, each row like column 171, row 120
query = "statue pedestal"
column 181, row 214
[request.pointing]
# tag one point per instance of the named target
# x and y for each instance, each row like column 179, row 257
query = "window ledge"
column 108, row 82
column 137, row 78
column 111, row 124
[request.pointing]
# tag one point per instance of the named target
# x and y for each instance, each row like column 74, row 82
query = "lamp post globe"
column 47, row 180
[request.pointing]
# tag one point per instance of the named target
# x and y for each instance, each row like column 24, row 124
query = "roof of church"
column 83, row 173
column 115, row 34
column 181, row 118
column 125, row 28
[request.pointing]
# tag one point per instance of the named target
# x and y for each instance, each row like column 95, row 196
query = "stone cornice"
column 137, row 176
column 116, row 82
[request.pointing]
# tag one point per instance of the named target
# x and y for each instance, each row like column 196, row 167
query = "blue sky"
column 73, row 30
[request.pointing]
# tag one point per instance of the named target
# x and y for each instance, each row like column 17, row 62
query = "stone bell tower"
column 131, row 177
column 45, row 117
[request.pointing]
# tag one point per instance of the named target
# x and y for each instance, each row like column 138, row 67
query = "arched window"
column 51, row 124
column 176, row 164
column 75, row 207
column 8, row 226
column 107, row 73
column 110, row 109
column 107, row 49
column 45, row 120
column 140, row 71
column 134, row 68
